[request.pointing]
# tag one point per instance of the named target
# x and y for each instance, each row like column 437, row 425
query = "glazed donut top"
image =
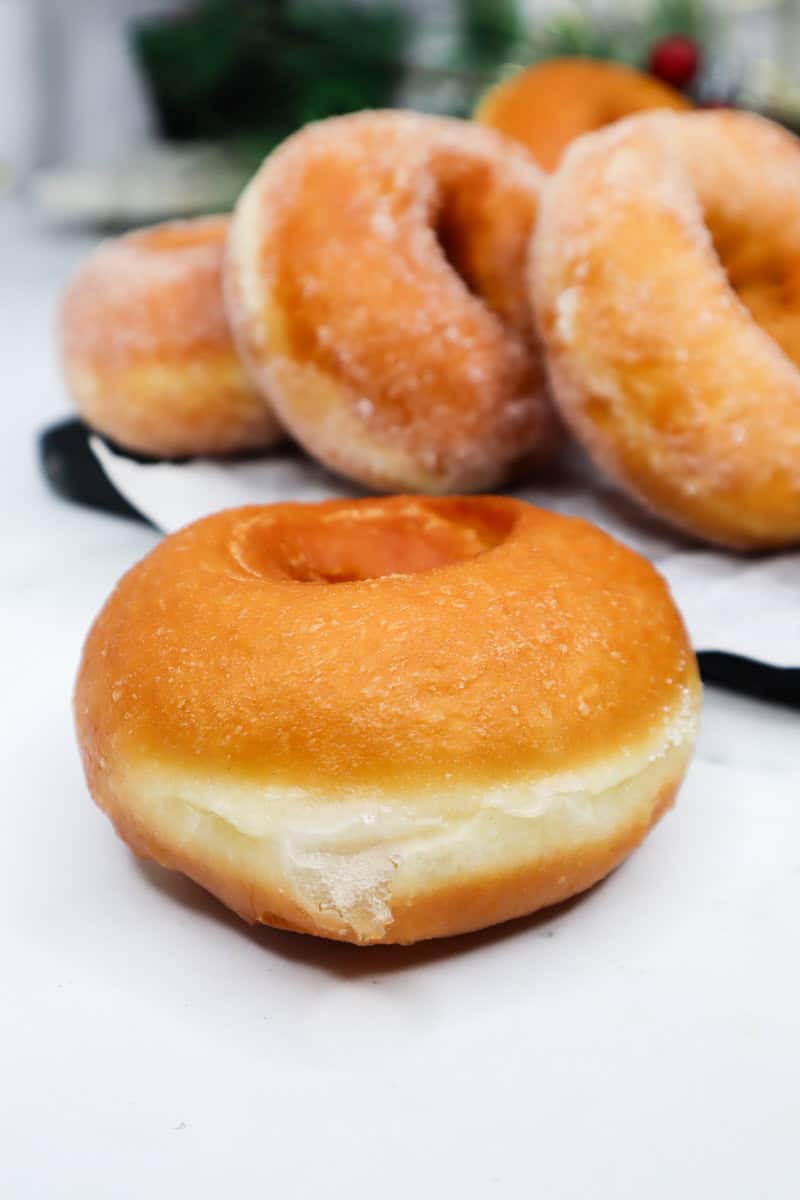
column 383, row 256
column 548, row 105
column 147, row 272
column 387, row 642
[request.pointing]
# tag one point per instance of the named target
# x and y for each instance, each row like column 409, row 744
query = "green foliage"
column 577, row 32
column 490, row 32
column 254, row 70
column 687, row 17
column 248, row 72
column 496, row 38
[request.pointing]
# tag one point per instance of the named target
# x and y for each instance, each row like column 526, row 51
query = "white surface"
column 20, row 111
column 640, row 1043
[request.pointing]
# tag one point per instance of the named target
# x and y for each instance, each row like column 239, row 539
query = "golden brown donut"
column 376, row 286
column 667, row 279
column 390, row 719
column 548, row 105
column 147, row 350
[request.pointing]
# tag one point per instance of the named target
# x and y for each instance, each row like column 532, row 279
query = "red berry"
column 675, row 60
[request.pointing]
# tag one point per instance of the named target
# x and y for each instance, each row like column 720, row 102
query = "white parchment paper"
column 735, row 604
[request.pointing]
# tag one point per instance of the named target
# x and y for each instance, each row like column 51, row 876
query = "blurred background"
column 114, row 112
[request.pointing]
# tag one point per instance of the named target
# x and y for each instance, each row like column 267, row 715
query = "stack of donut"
column 422, row 309
column 388, row 719
column 376, row 291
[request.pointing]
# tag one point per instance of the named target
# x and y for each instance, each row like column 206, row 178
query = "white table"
column 643, row 1042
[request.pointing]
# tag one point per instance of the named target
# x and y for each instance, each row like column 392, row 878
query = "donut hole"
column 763, row 269
column 365, row 540
column 454, row 242
column 482, row 225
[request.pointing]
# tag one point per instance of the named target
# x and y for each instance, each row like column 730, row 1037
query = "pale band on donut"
column 147, row 349
column 666, row 276
column 376, row 287
column 388, row 720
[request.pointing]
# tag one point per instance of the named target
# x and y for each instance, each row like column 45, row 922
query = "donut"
column 147, row 351
column 376, row 285
column 548, row 105
column 667, row 283
column 384, row 720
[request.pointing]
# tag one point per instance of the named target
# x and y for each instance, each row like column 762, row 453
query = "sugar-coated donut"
column 547, row 106
column 376, row 286
column 147, row 349
column 667, row 279
column 388, row 719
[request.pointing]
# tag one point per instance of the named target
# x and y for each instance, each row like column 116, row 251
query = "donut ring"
column 667, row 280
column 147, row 350
column 376, row 287
column 549, row 105
column 387, row 720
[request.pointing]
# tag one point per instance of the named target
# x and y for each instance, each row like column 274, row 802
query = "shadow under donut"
column 341, row 959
